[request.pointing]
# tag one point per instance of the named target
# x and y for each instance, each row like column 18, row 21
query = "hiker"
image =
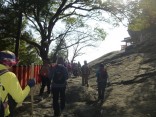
column 45, row 80
column 59, row 76
column 85, row 72
column 75, row 69
column 10, row 89
column 102, row 77
column 69, row 68
column 79, row 68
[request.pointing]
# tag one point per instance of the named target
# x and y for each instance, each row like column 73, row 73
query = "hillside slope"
column 131, row 93
column 132, row 75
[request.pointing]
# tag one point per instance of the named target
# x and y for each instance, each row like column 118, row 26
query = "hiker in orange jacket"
column 10, row 89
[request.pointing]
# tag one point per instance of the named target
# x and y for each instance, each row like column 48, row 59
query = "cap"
column 8, row 58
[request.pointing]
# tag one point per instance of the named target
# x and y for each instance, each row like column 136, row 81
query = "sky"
column 111, row 43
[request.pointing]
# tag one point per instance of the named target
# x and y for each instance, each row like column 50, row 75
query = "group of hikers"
column 54, row 76
column 74, row 69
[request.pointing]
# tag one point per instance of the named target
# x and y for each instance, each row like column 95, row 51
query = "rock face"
column 132, row 75
column 131, row 93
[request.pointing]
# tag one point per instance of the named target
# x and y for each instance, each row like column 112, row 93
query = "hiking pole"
column 31, row 91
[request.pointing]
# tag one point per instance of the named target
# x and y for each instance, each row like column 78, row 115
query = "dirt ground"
column 131, row 92
column 43, row 107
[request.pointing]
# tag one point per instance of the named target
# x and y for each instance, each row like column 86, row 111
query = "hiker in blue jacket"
column 102, row 77
column 59, row 78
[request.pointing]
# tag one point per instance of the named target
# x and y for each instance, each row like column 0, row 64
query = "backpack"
column 102, row 75
column 44, row 71
column 1, row 86
column 58, row 75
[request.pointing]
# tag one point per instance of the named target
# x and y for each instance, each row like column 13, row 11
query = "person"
column 102, row 77
column 69, row 68
column 75, row 69
column 10, row 86
column 85, row 72
column 59, row 81
column 45, row 80
column 79, row 68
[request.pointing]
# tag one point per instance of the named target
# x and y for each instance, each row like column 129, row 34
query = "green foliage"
column 27, row 54
column 139, row 24
column 8, row 22
column 101, row 34
column 70, row 20
column 7, row 44
column 8, row 31
column 44, row 14
column 143, row 15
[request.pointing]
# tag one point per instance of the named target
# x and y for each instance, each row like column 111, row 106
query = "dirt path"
column 43, row 108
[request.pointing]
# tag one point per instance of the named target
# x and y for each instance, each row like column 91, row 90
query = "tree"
column 44, row 15
column 27, row 54
column 82, row 35
column 8, row 22
column 12, row 13
column 10, row 30
column 87, row 39
column 142, row 14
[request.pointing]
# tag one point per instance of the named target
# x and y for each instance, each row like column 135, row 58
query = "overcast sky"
column 111, row 43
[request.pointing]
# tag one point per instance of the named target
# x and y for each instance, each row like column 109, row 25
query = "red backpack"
column 44, row 70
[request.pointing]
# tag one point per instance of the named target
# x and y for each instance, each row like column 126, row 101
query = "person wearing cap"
column 85, row 72
column 102, row 77
column 59, row 76
column 10, row 85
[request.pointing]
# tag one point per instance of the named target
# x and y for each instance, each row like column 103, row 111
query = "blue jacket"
column 102, row 76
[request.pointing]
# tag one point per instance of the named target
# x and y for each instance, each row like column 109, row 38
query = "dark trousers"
column 58, row 99
column 85, row 80
column 45, row 82
column 101, row 90
column 12, row 106
column 1, row 109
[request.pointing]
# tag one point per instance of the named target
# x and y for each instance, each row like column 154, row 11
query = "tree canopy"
column 43, row 17
column 142, row 14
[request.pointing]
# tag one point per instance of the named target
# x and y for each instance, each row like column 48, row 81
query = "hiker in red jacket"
column 44, row 74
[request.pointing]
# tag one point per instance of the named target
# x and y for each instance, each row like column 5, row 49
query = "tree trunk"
column 18, row 34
